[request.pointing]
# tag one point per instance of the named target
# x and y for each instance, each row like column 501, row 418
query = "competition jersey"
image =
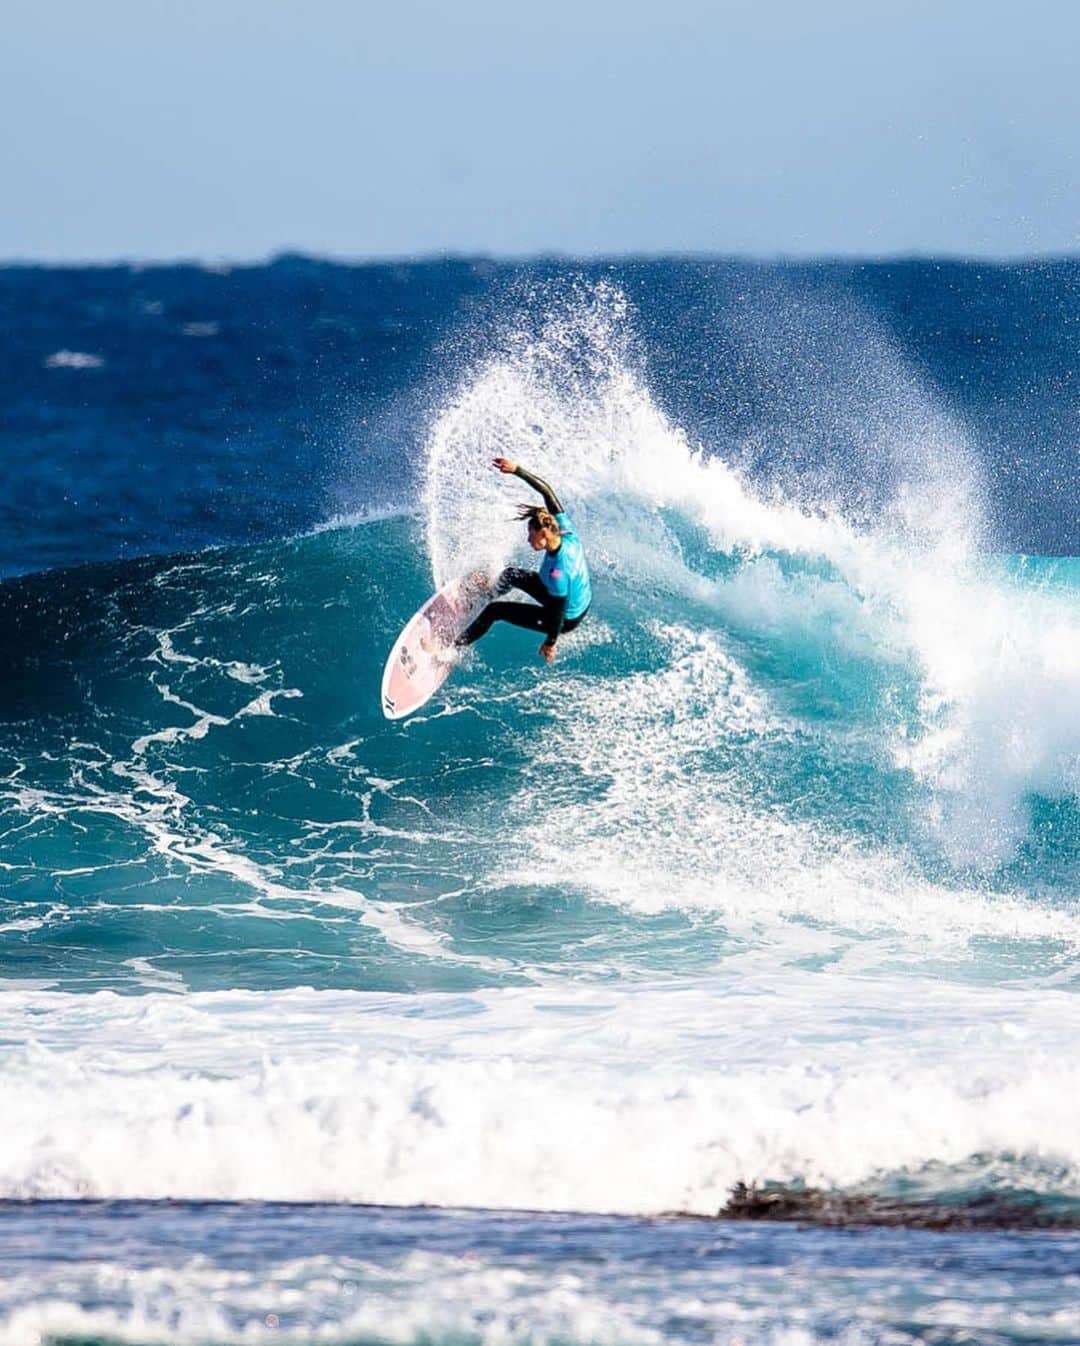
column 565, row 573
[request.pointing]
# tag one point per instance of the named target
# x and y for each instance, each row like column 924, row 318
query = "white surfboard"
column 424, row 653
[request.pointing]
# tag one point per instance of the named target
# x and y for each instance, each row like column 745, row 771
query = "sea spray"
column 568, row 392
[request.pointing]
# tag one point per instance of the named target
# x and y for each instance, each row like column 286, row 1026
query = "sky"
column 235, row 129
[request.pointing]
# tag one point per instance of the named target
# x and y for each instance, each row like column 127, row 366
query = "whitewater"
column 771, row 881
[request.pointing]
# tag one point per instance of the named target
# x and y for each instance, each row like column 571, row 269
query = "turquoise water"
column 198, row 774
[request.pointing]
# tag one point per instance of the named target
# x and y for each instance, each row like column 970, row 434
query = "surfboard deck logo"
column 424, row 654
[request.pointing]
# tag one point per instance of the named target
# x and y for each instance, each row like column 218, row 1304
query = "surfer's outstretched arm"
column 551, row 500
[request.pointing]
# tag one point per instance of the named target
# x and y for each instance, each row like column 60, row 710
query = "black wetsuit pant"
column 525, row 615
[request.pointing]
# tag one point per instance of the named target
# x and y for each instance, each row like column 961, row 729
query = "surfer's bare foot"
column 479, row 580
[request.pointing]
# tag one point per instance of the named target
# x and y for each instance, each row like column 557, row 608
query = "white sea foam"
column 625, row 1100
column 419, row 1298
column 1001, row 707
column 662, row 834
column 528, row 1299
column 66, row 359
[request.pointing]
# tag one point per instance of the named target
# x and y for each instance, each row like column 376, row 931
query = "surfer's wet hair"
column 538, row 517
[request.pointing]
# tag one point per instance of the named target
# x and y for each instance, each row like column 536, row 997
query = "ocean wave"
column 973, row 676
column 770, row 879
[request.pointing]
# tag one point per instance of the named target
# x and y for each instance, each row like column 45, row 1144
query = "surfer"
column 561, row 586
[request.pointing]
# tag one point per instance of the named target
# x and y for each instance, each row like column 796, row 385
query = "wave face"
column 771, row 880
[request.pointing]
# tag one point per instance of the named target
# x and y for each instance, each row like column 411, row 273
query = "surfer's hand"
column 547, row 650
column 505, row 465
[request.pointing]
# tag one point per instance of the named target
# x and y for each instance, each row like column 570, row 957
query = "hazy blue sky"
column 236, row 128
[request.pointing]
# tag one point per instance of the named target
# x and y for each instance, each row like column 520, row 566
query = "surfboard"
column 424, row 654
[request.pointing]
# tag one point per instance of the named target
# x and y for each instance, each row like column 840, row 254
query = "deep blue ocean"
column 461, row 1029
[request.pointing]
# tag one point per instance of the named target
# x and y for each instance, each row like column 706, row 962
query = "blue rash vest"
column 565, row 573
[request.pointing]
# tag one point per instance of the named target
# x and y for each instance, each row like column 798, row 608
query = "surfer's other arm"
column 551, row 500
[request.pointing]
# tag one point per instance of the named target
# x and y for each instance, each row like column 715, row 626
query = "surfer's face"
column 537, row 537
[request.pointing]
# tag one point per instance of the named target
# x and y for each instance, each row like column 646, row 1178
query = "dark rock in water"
column 807, row 1205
